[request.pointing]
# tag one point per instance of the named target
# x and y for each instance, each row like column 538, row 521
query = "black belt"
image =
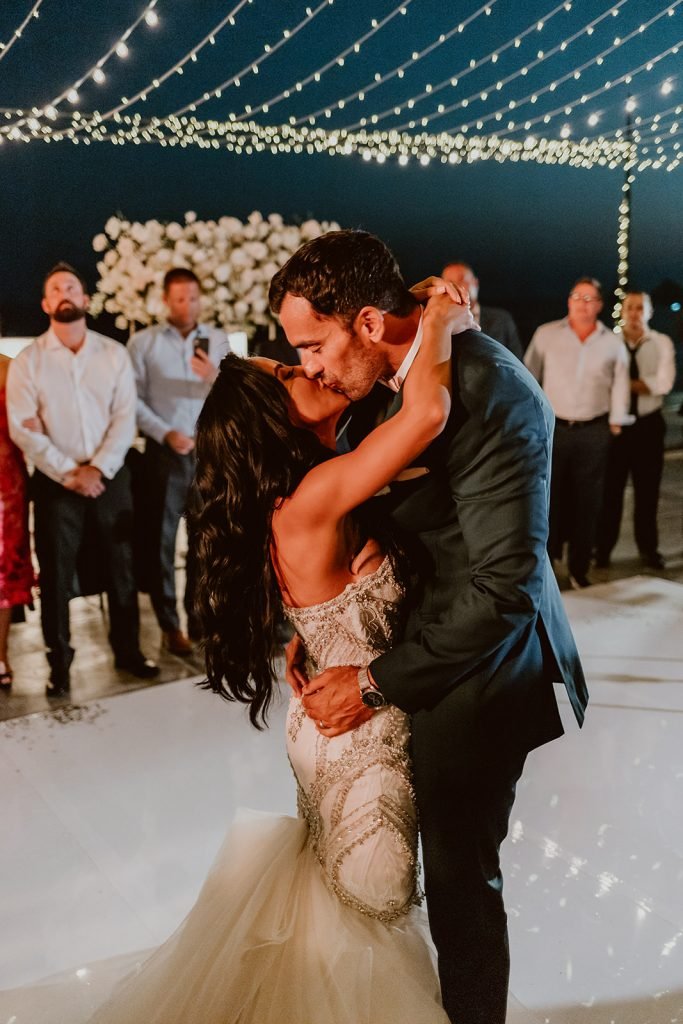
column 576, row 424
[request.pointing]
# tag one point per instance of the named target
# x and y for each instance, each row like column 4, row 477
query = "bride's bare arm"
column 334, row 488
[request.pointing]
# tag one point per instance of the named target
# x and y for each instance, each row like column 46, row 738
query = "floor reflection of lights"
column 111, row 817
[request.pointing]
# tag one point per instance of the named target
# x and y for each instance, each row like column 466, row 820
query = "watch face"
column 373, row 699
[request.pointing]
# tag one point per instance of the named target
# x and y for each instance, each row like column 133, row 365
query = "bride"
column 307, row 920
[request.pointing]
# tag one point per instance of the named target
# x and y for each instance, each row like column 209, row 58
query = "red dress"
column 16, row 571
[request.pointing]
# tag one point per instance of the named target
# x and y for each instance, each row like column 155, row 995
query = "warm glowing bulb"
column 630, row 105
column 122, row 50
column 99, row 75
column 72, row 96
column 667, row 87
column 593, row 120
column 565, row 132
column 152, row 19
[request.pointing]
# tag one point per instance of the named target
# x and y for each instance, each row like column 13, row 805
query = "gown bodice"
column 355, row 790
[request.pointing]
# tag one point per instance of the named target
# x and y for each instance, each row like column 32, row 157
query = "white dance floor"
column 112, row 813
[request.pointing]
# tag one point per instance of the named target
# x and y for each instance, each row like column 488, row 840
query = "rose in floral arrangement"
column 234, row 262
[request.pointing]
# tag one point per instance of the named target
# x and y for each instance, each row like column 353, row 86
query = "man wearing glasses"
column 582, row 367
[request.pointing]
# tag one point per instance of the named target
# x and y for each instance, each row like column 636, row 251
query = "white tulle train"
column 265, row 943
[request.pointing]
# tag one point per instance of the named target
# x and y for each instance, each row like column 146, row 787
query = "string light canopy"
column 575, row 129
column 579, row 83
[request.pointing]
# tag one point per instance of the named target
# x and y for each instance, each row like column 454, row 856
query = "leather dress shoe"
column 138, row 665
column 178, row 643
column 58, row 685
column 652, row 560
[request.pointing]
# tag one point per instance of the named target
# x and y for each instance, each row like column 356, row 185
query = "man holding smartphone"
column 175, row 364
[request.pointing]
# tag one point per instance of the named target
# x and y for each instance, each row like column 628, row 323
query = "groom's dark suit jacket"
column 488, row 635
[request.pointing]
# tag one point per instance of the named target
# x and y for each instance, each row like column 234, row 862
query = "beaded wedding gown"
column 308, row 920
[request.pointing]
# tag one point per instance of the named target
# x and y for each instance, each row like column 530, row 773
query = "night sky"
column 528, row 229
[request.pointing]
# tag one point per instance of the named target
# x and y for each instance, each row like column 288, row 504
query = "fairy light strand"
column 456, row 78
column 361, row 94
column 18, row 32
column 494, row 87
column 95, row 72
column 574, row 73
column 254, row 65
column 191, row 55
column 315, row 76
column 568, row 107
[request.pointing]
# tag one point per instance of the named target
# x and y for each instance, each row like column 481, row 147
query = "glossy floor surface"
column 112, row 813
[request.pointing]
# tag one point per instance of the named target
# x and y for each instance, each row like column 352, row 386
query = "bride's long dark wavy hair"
column 249, row 457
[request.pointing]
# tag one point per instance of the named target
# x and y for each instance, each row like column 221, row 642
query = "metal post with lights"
column 625, row 210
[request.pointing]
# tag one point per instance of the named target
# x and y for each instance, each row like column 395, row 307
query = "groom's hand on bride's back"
column 332, row 700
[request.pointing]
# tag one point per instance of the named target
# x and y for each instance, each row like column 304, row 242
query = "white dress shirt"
column 85, row 401
column 582, row 379
column 170, row 395
column 656, row 361
column 395, row 383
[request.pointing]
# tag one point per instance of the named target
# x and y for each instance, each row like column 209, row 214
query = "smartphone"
column 201, row 343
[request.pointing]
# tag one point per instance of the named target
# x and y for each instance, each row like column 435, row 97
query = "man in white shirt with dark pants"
column 175, row 364
column 582, row 367
column 639, row 450
column 71, row 410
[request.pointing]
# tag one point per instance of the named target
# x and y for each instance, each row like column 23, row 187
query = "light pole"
column 625, row 208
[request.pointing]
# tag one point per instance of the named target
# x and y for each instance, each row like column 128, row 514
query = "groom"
column 488, row 636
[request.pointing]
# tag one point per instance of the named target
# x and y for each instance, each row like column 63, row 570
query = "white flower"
column 113, row 227
column 121, row 322
column 100, row 243
column 190, row 217
column 269, row 270
column 291, row 239
column 257, row 250
column 239, row 259
column 155, row 305
column 125, row 246
column 139, row 232
column 275, row 219
column 254, row 218
column 230, row 225
column 174, row 231
column 310, row 229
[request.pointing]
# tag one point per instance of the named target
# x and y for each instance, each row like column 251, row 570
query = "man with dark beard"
column 71, row 410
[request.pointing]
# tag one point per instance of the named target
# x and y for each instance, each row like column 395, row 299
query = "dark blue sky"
column 528, row 229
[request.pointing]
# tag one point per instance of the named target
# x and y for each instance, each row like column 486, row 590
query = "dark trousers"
column 576, row 486
column 168, row 483
column 62, row 522
column 463, row 821
column 638, row 451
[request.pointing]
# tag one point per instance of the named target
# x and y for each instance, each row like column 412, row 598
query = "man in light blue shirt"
column 175, row 364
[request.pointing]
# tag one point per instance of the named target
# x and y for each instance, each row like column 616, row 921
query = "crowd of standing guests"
column 72, row 403
column 75, row 401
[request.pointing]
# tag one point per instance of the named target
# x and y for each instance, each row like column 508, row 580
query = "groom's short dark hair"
column 339, row 273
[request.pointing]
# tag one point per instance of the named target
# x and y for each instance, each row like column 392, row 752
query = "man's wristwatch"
column 370, row 695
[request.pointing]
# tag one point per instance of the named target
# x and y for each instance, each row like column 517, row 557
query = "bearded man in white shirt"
column 71, row 410
column 582, row 367
column 639, row 449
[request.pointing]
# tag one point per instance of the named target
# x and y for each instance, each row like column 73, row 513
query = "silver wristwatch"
column 369, row 693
